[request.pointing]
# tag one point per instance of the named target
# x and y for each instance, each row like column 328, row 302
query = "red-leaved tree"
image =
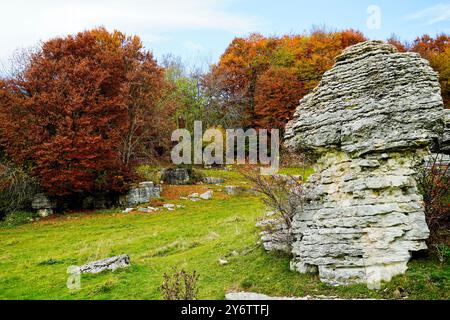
column 76, row 116
column 264, row 78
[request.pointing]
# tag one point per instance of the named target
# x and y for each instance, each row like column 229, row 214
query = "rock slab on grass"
column 233, row 190
column 207, row 195
column 258, row 296
column 112, row 264
column 213, row 180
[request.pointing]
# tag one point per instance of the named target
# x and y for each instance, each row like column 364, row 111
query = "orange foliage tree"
column 77, row 114
column 276, row 96
column 437, row 52
column 265, row 77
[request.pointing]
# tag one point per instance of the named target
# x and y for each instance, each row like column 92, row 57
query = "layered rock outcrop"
column 178, row 176
column 370, row 122
column 444, row 142
column 43, row 205
column 142, row 193
column 276, row 235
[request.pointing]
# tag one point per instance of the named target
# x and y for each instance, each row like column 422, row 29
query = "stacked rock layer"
column 370, row 122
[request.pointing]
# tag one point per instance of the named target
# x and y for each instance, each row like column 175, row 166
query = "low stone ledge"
column 143, row 193
column 112, row 264
column 242, row 296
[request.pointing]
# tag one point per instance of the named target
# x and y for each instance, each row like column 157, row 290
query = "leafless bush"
column 285, row 195
column 17, row 188
column 180, row 285
column 434, row 183
column 298, row 159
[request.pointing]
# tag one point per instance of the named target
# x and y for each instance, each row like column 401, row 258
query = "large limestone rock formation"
column 370, row 121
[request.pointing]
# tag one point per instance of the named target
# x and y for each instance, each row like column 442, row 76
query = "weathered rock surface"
column 275, row 236
column 207, row 195
column 233, row 190
column 147, row 210
column 370, row 122
column 143, row 193
column 114, row 263
column 259, row 296
column 445, row 139
column 43, row 205
column 41, row 201
column 213, row 180
column 178, row 176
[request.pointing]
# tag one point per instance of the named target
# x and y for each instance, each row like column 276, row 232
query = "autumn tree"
column 396, row 42
column 77, row 114
column 437, row 52
column 237, row 72
column 265, row 77
column 276, row 96
column 184, row 96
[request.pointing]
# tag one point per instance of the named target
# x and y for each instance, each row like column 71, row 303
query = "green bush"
column 196, row 176
column 442, row 252
column 149, row 173
column 18, row 218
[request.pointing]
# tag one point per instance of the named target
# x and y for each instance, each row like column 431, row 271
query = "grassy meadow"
column 34, row 257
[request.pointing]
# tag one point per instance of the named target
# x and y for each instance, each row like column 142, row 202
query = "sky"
column 199, row 30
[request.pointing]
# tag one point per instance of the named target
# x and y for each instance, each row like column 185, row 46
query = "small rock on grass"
column 112, row 264
column 213, row 180
column 233, row 253
column 207, row 195
column 258, row 296
column 223, row 262
column 233, row 190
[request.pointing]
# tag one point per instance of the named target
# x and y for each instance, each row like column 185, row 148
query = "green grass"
column 34, row 257
column 293, row 171
column 231, row 177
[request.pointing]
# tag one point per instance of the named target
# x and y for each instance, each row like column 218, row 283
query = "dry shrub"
column 284, row 194
column 17, row 189
column 434, row 184
column 180, row 285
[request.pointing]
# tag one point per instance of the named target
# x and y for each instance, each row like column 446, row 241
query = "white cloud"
column 193, row 46
column 24, row 23
column 432, row 15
